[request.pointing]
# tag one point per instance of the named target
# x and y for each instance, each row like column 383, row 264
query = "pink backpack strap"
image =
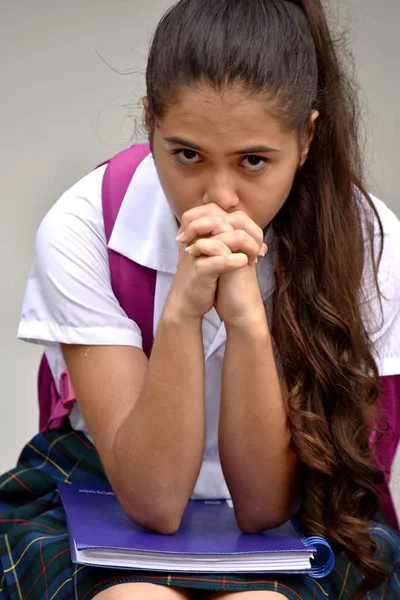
column 387, row 445
column 133, row 286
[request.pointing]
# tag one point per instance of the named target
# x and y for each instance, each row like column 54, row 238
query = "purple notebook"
column 208, row 540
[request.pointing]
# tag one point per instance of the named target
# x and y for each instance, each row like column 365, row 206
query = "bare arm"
column 258, row 461
column 256, row 455
column 147, row 418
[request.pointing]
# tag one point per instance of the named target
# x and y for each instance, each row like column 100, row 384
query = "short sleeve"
column 69, row 298
column 382, row 318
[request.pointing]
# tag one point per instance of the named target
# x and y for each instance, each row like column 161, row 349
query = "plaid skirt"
column 35, row 561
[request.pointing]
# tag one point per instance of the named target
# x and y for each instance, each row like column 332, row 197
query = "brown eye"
column 254, row 163
column 186, row 157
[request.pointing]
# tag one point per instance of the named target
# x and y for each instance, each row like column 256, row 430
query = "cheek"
column 269, row 196
column 180, row 192
column 285, row 174
column 284, row 182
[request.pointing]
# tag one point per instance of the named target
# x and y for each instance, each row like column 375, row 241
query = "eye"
column 254, row 163
column 186, row 157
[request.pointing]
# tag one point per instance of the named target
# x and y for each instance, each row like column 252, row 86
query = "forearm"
column 160, row 445
column 259, row 464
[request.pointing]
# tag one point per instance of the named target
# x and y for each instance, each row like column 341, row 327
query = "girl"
column 271, row 330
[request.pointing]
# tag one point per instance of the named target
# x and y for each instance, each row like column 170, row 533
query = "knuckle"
column 240, row 219
column 255, row 244
column 240, row 235
column 225, row 260
column 200, row 246
column 190, row 228
column 184, row 221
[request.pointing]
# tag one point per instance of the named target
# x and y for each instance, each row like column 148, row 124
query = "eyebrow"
column 249, row 150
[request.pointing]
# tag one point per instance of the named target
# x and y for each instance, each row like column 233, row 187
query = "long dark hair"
column 283, row 51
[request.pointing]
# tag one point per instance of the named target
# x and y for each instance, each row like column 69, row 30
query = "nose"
column 222, row 193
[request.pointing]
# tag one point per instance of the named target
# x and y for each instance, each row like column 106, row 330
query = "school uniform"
column 69, row 300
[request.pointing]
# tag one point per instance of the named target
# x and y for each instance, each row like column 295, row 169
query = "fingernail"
column 189, row 249
column 264, row 250
column 180, row 237
column 255, row 261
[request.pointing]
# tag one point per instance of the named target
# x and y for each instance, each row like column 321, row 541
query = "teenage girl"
column 276, row 319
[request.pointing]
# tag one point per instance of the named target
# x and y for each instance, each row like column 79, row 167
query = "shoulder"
column 69, row 298
column 389, row 266
column 390, row 221
column 77, row 212
column 381, row 309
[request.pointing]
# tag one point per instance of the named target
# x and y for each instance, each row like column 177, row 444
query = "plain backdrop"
column 71, row 79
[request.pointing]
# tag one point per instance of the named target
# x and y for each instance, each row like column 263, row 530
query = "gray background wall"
column 62, row 110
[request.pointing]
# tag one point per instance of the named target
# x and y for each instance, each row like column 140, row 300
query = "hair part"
column 282, row 50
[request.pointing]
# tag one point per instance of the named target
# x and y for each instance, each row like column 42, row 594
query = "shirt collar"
column 145, row 228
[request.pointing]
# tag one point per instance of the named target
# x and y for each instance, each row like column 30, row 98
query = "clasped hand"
column 218, row 254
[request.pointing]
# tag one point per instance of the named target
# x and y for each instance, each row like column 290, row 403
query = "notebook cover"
column 96, row 520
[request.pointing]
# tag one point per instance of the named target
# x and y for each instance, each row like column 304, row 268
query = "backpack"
column 126, row 277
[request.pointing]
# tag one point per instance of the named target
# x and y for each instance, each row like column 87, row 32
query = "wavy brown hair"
column 283, row 51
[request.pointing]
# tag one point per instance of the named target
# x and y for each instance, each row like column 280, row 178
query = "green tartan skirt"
column 35, row 561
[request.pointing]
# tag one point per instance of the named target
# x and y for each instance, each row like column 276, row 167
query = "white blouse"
column 69, row 298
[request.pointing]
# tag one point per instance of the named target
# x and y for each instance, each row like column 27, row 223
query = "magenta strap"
column 133, row 284
column 388, row 444
column 117, row 177
column 67, row 394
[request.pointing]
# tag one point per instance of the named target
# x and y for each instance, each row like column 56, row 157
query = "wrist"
column 254, row 325
column 174, row 315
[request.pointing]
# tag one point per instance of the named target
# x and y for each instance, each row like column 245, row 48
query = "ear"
column 147, row 120
column 309, row 136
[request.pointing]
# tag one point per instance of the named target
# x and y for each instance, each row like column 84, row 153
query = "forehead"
column 230, row 115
